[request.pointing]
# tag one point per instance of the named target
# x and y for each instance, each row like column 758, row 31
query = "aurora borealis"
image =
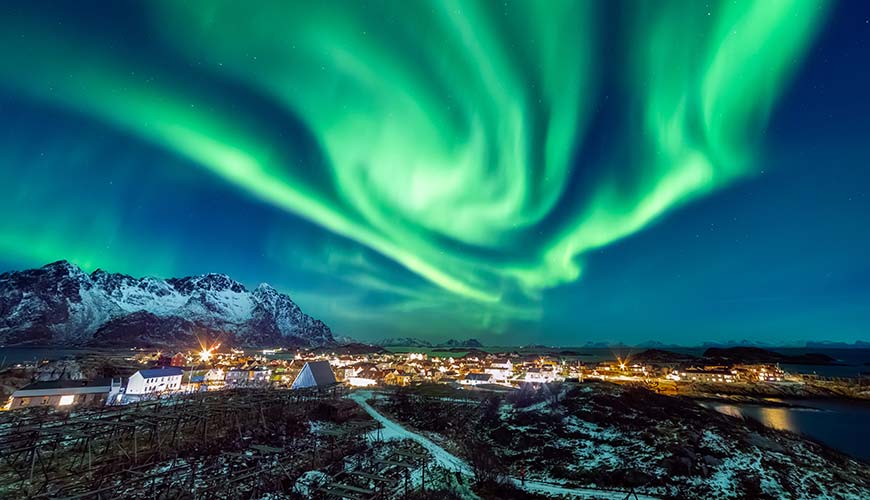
column 427, row 168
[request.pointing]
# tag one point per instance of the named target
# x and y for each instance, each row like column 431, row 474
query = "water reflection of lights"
column 778, row 418
column 730, row 410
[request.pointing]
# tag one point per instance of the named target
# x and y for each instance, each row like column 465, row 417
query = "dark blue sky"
column 782, row 257
column 777, row 254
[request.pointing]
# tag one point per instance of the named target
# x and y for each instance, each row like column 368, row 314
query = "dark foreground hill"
column 604, row 435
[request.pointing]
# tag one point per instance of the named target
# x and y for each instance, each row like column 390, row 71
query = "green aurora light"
column 449, row 130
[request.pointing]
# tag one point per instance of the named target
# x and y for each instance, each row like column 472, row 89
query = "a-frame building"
column 314, row 374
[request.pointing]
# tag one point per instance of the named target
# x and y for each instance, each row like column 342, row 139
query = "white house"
column 501, row 370
column 236, row 376
column 541, row 375
column 707, row 376
column 362, row 375
column 476, row 379
column 155, row 381
column 248, row 377
column 214, row 376
column 261, row 375
column 361, row 381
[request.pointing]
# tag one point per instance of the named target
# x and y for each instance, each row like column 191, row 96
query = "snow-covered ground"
column 394, row 430
column 602, row 435
column 552, row 489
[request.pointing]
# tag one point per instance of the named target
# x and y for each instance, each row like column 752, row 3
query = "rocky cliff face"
column 59, row 304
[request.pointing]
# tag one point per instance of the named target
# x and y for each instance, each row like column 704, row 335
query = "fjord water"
column 13, row 355
column 842, row 425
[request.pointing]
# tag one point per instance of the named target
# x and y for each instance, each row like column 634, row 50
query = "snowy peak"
column 61, row 304
column 265, row 291
column 63, row 267
column 208, row 282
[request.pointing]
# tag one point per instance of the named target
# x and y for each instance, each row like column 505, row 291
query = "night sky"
column 520, row 172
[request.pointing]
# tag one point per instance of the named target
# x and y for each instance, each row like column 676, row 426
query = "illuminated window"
column 66, row 400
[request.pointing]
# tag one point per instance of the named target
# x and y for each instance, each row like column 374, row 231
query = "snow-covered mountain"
column 59, row 304
column 403, row 342
column 413, row 342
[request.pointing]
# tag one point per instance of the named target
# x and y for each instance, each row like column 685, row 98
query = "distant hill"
column 351, row 348
column 652, row 345
column 655, row 344
column 825, row 344
column 597, row 345
column 736, row 343
column 344, row 340
column 414, row 342
column 403, row 342
column 661, row 357
column 470, row 343
column 733, row 355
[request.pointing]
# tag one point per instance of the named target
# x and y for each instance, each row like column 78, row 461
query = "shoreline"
column 755, row 401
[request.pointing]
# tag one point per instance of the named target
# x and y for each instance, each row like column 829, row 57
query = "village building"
column 215, row 376
column 576, row 372
column 178, row 360
column 716, row 375
column 364, row 381
column 501, row 370
column 639, row 370
column 473, row 379
column 759, row 373
column 542, row 375
column 314, row 374
column 608, row 367
column 242, row 377
column 284, row 375
column 196, row 383
column 398, row 377
column 771, row 374
column 362, row 375
column 236, row 376
column 67, row 393
column 157, row 381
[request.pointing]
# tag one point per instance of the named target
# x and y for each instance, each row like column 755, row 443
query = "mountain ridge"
column 415, row 342
column 61, row 305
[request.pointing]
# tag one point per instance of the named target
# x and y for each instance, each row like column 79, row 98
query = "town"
column 361, row 422
column 208, row 369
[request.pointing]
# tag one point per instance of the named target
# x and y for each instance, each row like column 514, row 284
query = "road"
column 395, row 430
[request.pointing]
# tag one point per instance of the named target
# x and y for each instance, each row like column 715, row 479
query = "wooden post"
column 32, row 466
